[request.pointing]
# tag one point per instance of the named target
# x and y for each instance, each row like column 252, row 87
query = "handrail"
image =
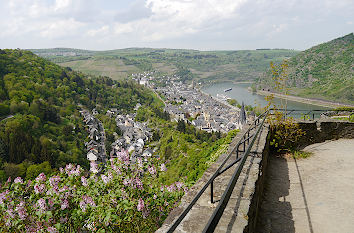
column 257, row 124
column 303, row 115
column 214, row 219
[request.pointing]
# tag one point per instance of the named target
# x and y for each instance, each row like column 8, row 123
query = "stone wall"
column 320, row 131
column 259, row 186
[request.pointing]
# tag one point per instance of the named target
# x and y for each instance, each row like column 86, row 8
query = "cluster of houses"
column 96, row 150
column 134, row 137
column 187, row 103
column 144, row 78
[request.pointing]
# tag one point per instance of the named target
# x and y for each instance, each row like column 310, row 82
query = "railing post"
column 212, row 192
column 237, row 151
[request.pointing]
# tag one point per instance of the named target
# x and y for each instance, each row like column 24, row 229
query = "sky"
column 188, row 24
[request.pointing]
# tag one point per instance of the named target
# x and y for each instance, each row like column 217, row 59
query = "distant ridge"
column 325, row 71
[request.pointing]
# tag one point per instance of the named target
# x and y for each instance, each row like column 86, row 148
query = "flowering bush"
column 124, row 198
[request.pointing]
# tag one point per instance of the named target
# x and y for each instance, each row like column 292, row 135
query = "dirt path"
column 311, row 195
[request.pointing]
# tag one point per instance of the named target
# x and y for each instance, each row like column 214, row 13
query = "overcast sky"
column 192, row 24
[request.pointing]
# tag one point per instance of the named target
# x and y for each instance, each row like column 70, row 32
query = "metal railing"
column 300, row 113
column 242, row 150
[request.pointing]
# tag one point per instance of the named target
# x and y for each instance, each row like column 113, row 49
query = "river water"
column 241, row 93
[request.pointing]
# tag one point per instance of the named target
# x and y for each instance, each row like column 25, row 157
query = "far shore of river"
column 322, row 103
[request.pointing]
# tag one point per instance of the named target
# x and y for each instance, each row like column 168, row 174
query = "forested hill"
column 202, row 66
column 40, row 125
column 325, row 71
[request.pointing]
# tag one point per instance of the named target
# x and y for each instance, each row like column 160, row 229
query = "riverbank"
column 322, row 103
column 220, row 101
column 205, row 85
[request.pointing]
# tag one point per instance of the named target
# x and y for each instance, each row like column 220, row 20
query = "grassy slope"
column 324, row 71
column 207, row 65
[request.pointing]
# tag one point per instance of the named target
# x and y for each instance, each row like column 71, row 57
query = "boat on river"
column 228, row 89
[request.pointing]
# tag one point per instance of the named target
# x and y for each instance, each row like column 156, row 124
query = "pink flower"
column 83, row 206
column 10, row 213
column 152, row 170
column 104, row 179
column 41, row 204
column 54, row 181
column 18, row 180
column 41, row 177
column 110, row 176
column 179, row 185
column 84, row 181
column 171, row 188
column 52, row 230
column 64, row 188
column 140, row 206
column 61, row 170
column 20, row 208
column 124, row 156
column 140, row 163
column 116, row 169
column 39, row 188
column 163, row 167
column 3, row 196
column 68, row 167
column 50, row 202
column 155, row 196
column 126, row 182
column 93, row 167
column 138, row 183
column 89, row 200
column 64, row 204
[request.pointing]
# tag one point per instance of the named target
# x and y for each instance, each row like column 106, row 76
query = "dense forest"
column 324, row 71
column 41, row 128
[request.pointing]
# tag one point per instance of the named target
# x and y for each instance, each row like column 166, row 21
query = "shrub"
column 285, row 133
column 125, row 197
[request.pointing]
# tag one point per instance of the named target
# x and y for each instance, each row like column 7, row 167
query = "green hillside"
column 325, row 71
column 41, row 127
column 243, row 65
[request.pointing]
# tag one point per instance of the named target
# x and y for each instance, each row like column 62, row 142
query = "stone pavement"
column 315, row 194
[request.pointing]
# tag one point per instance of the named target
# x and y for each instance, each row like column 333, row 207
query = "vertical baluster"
column 212, row 192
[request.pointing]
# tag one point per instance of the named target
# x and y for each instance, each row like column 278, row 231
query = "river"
column 241, row 93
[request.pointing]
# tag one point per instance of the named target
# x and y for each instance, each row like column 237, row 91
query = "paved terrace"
column 315, row 194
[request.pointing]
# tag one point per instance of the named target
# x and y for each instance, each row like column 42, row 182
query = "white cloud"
column 102, row 31
column 175, row 18
column 215, row 24
column 62, row 4
column 61, row 28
